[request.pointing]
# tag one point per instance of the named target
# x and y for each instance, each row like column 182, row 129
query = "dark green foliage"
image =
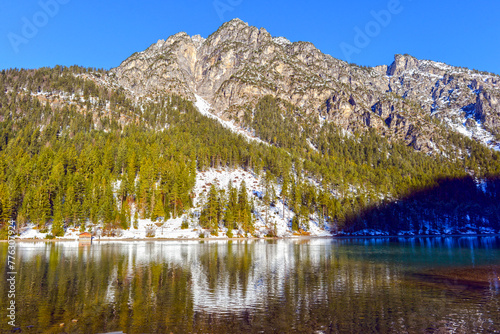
column 184, row 225
column 231, row 208
column 276, row 126
column 453, row 206
column 233, row 211
column 99, row 157
column 211, row 214
column 244, row 210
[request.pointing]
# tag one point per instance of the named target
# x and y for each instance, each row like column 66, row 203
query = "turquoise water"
column 415, row 285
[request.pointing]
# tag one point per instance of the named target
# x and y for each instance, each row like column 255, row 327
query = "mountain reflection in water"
column 327, row 285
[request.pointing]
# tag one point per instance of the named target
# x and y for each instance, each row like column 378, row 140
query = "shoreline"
column 299, row 237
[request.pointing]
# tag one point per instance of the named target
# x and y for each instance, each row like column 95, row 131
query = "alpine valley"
column 244, row 134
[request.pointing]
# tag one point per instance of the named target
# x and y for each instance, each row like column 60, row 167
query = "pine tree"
column 175, row 200
column 42, row 207
column 267, row 192
column 231, row 207
column 244, row 216
column 5, row 208
column 136, row 219
column 107, row 207
column 131, row 172
column 323, row 202
column 58, row 223
column 285, row 193
column 213, row 209
column 69, row 205
column 125, row 215
column 158, row 208
column 242, row 203
column 304, row 215
column 229, row 218
column 297, row 197
column 296, row 222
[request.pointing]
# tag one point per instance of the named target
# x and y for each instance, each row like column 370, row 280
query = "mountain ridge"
column 238, row 64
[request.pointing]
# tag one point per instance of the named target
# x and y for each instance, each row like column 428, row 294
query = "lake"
column 364, row 285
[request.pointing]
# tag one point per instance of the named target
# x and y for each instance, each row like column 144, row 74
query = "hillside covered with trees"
column 75, row 153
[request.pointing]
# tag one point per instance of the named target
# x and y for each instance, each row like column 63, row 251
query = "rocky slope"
column 411, row 100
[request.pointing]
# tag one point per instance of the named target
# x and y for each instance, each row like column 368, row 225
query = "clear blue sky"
column 103, row 33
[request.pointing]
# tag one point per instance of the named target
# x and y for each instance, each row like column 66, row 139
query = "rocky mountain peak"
column 401, row 64
column 180, row 36
column 198, row 40
column 236, row 22
column 237, row 31
column 239, row 64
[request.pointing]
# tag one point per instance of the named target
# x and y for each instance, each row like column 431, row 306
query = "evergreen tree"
column 209, row 217
column 72, row 155
column 57, row 222
column 285, row 193
column 125, row 216
column 267, row 192
column 136, row 219
column 244, row 214
column 158, row 208
column 5, row 208
column 231, row 207
column 175, row 199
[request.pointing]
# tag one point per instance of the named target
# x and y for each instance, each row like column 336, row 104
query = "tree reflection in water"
column 350, row 285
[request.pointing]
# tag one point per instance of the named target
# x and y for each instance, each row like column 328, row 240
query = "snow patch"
column 457, row 122
column 204, row 108
column 281, row 41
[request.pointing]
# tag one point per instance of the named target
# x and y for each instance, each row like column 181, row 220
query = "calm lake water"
column 418, row 285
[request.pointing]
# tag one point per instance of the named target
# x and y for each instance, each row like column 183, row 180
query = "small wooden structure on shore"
column 85, row 237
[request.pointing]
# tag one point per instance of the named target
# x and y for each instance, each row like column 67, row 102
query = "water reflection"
column 343, row 285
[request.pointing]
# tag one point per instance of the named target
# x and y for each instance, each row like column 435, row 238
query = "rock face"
column 239, row 64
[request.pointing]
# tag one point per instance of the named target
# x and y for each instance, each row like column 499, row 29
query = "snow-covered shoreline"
column 278, row 216
column 294, row 237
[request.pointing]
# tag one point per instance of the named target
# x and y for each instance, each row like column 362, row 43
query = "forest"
column 76, row 153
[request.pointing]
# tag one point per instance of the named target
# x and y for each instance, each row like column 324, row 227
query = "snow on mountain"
column 205, row 109
column 279, row 217
column 221, row 179
column 471, row 128
column 239, row 64
column 281, row 41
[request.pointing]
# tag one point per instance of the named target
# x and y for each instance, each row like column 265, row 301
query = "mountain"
column 411, row 100
column 246, row 134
